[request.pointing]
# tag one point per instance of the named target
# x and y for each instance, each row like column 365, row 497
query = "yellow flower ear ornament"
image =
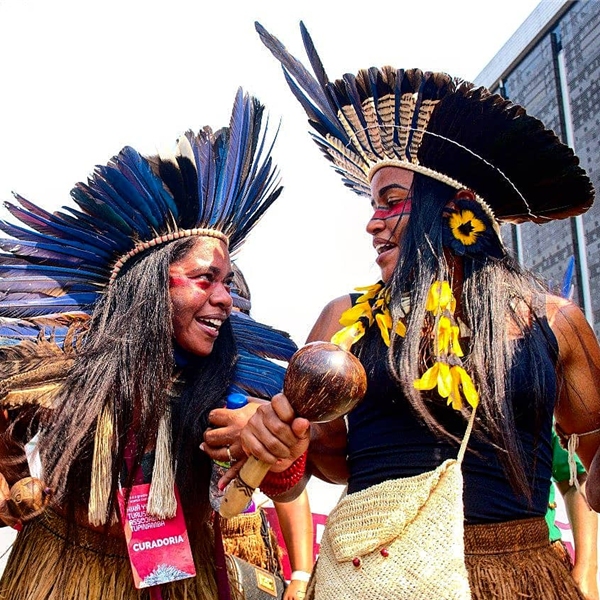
column 447, row 372
column 469, row 231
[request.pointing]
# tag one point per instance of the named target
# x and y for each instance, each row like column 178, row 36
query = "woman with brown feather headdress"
column 114, row 406
column 468, row 357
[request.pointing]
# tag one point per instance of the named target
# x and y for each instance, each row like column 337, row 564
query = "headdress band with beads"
column 163, row 239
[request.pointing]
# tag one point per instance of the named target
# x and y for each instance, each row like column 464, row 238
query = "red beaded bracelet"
column 275, row 484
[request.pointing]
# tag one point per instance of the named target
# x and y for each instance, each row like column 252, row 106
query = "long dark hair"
column 127, row 364
column 493, row 289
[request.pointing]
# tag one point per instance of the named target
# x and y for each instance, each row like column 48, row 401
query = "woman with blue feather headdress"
column 117, row 341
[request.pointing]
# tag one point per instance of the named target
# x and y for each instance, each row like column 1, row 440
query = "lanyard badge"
column 159, row 549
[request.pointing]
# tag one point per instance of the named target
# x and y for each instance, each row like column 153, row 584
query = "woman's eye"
column 394, row 201
column 377, row 207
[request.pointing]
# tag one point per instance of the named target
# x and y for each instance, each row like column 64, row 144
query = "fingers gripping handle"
column 240, row 490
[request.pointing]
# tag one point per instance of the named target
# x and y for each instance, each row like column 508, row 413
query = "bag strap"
column 465, row 440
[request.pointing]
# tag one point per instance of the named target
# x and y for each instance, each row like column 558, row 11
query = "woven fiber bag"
column 398, row 540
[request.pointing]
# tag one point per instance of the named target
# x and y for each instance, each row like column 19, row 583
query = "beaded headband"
column 389, row 162
column 163, row 239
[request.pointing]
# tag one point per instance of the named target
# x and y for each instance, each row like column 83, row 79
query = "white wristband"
column 300, row 576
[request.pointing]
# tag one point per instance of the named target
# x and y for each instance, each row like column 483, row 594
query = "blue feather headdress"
column 440, row 126
column 216, row 183
column 255, row 373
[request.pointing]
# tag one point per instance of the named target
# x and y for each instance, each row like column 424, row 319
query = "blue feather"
column 160, row 202
column 134, row 197
column 52, row 271
column 565, row 289
column 50, row 231
column 53, row 252
column 105, row 235
column 261, row 339
column 258, row 376
column 102, row 184
column 99, row 207
column 33, row 307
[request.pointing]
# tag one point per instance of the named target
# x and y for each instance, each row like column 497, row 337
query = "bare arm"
column 274, row 434
column 296, row 524
column 584, row 525
column 578, row 407
column 327, row 450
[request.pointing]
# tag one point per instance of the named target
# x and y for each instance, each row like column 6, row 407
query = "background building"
column 551, row 66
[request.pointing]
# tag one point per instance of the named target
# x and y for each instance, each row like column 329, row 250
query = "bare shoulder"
column 578, row 408
column 328, row 322
column 558, row 308
column 570, row 326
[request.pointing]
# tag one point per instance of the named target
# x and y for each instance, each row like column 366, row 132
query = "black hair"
column 495, row 291
column 127, row 365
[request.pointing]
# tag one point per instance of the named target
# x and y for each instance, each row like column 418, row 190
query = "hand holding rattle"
column 322, row 382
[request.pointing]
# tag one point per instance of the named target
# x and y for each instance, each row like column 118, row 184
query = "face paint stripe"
column 402, row 208
column 177, row 281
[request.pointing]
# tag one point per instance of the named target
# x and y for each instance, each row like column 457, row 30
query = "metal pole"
column 582, row 263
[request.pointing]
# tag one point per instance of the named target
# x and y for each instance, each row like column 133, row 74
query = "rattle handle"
column 239, row 491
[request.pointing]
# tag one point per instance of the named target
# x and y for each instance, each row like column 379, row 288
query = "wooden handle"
column 239, row 492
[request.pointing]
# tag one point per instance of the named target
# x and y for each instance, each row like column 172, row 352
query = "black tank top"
column 386, row 440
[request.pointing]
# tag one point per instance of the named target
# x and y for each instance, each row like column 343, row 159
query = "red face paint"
column 397, row 210
column 177, row 281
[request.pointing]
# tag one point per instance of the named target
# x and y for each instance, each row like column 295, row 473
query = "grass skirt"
column 515, row 561
column 43, row 566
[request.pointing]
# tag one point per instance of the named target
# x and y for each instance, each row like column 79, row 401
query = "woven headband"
column 163, row 239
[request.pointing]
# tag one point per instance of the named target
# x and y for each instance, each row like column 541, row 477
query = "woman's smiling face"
column 391, row 199
column 199, row 289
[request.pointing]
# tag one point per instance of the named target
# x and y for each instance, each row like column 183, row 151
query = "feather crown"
column 441, row 126
column 216, row 183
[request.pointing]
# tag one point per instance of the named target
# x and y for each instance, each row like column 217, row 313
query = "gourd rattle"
column 322, row 382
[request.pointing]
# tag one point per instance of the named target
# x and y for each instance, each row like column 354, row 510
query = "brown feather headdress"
column 441, row 126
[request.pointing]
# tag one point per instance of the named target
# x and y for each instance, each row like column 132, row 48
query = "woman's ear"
column 464, row 194
column 468, row 229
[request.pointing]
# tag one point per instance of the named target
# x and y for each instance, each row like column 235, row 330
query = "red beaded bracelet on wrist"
column 275, row 484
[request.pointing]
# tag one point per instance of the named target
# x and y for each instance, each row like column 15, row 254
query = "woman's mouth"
column 384, row 247
column 211, row 325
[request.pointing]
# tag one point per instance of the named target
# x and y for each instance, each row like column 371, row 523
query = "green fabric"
column 560, row 472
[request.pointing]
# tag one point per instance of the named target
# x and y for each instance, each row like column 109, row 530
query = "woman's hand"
column 275, row 435
column 222, row 438
column 296, row 590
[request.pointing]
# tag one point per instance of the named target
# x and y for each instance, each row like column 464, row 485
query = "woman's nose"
column 375, row 225
column 221, row 296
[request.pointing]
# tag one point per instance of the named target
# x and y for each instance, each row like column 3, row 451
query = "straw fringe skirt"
column 42, row 566
column 512, row 561
column 515, row 560
column 249, row 536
